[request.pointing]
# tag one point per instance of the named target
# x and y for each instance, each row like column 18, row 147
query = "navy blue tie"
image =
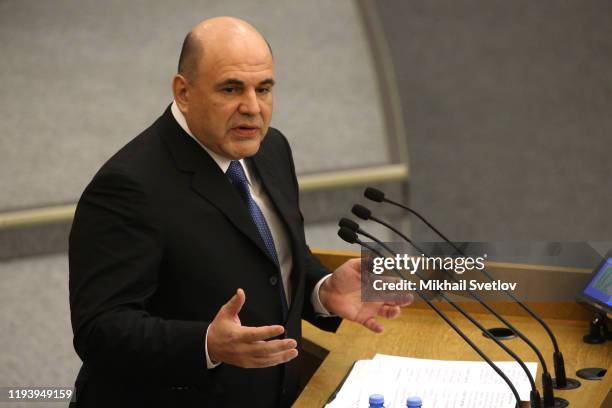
column 236, row 174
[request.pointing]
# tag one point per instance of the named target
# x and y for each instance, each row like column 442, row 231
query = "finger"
column 389, row 311
column 373, row 325
column 267, row 348
column 277, row 358
column 234, row 305
column 384, row 310
column 252, row 334
column 355, row 263
column 402, row 300
column 408, row 299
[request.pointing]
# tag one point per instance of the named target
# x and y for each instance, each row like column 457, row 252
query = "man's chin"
column 245, row 149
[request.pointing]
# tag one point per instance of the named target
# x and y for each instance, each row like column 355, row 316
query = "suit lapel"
column 277, row 196
column 208, row 180
column 220, row 193
column 265, row 170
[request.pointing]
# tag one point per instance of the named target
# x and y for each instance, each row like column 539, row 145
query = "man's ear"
column 180, row 89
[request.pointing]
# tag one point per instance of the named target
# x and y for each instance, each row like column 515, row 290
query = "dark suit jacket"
column 160, row 241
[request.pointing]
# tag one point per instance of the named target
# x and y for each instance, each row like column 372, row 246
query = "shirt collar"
column 222, row 162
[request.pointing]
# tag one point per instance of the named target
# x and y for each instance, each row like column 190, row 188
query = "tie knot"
column 236, row 174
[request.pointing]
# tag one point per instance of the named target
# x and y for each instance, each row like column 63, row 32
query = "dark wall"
column 508, row 109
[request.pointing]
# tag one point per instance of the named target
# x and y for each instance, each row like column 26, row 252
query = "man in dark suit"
column 200, row 208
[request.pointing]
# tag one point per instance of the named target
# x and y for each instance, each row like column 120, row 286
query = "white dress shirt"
column 279, row 234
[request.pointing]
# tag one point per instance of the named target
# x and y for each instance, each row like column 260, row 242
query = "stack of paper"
column 440, row 384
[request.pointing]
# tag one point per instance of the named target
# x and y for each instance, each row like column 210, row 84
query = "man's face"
column 229, row 104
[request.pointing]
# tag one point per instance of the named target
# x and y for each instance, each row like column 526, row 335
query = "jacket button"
column 273, row 280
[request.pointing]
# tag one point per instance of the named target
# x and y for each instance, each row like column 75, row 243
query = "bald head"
column 216, row 35
column 224, row 86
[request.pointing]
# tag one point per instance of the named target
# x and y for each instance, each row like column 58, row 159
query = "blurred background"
column 492, row 118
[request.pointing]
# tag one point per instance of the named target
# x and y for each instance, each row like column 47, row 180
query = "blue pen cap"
column 377, row 400
column 414, row 402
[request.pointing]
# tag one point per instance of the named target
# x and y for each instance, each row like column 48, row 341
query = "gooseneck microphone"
column 353, row 226
column 535, row 397
column 365, row 214
column 561, row 381
column 378, row 196
column 352, row 238
column 547, row 385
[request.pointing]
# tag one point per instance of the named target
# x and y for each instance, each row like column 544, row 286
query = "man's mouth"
column 246, row 130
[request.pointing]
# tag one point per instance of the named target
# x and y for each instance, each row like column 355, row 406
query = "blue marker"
column 377, row 401
column 414, row 402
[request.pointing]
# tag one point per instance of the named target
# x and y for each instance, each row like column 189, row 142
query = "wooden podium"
column 420, row 333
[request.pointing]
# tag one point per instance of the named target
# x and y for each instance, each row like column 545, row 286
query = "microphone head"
column 348, row 223
column 374, row 194
column 361, row 212
column 347, row 235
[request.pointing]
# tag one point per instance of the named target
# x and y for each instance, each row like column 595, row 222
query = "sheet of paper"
column 439, row 383
column 464, row 373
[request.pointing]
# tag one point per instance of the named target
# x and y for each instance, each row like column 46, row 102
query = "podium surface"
column 420, row 333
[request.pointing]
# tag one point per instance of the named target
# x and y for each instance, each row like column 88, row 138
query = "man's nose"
column 249, row 105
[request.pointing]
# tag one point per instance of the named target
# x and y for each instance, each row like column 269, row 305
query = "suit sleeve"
column 115, row 253
column 314, row 270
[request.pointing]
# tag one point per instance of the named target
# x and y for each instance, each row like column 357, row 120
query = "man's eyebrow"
column 268, row 81
column 231, row 81
column 238, row 82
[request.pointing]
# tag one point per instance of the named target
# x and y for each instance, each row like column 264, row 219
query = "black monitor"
column 598, row 291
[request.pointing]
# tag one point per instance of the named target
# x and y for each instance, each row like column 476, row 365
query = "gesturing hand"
column 341, row 295
column 232, row 343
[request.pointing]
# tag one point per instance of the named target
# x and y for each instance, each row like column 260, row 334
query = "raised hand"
column 232, row 343
column 341, row 295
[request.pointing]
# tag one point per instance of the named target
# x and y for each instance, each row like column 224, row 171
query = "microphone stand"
column 561, row 381
column 534, row 396
column 351, row 238
column 549, row 399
